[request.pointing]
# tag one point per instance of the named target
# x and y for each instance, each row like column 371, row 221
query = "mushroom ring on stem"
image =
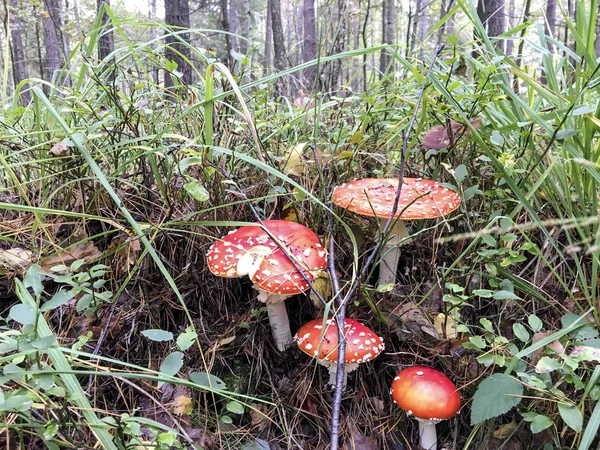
column 319, row 339
column 428, row 395
column 373, row 197
column 251, row 251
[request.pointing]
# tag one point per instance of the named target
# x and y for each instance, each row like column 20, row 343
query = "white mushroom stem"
column 427, row 434
column 332, row 366
column 278, row 318
column 391, row 251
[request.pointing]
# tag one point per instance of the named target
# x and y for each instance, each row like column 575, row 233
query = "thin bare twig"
column 341, row 311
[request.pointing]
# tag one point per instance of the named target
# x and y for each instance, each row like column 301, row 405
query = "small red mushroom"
column 321, row 342
column 428, row 395
column 251, row 251
column 373, row 197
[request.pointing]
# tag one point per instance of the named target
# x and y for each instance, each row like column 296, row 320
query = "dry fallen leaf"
column 86, row 251
column 59, row 149
column 359, row 441
column 294, row 160
column 445, row 326
column 554, row 345
column 504, row 431
column 16, row 258
column 415, row 319
column 258, row 414
column 182, row 404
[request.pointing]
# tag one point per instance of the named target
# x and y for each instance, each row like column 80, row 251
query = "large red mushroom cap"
column 425, row 393
column 250, row 251
column 362, row 344
column 420, row 199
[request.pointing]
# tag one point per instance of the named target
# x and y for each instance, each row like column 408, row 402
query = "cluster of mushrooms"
column 281, row 258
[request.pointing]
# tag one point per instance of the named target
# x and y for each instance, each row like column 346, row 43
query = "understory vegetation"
column 114, row 334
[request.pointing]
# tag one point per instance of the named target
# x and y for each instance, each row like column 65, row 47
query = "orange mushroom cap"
column 362, row 344
column 425, row 393
column 272, row 271
column 420, row 199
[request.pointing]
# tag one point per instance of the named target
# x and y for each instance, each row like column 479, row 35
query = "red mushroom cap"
column 425, row 393
column 420, row 199
column 362, row 344
column 251, row 251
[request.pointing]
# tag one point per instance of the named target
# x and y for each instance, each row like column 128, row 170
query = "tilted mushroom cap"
column 250, row 251
column 425, row 393
column 420, row 199
column 362, row 344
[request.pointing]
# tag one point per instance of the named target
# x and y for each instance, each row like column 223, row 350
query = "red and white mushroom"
column 319, row 339
column 251, row 251
column 373, row 197
column 430, row 396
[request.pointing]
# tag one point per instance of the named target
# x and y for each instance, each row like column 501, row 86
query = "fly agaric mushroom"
column 428, row 395
column 362, row 344
column 419, row 199
column 251, row 251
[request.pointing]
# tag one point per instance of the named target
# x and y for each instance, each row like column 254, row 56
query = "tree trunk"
column 510, row 18
column 340, row 38
column 423, row 25
column 279, row 57
column 388, row 32
column 106, row 43
column 268, row 39
column 491, row 14
column 52, row 60
column 225, row 27
column 249, row 25
column 413, row 25
column 233, row 24
column 17, row 50
column 177, row 18
column 309, row 43
column 551, row 22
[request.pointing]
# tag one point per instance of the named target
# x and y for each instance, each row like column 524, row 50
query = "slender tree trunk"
column 597, row 43
column 510, row 18
column 153, row 35
column 522, row 40
column 249, row 25
column 233, row 24
column 17, row 50
column 268, row 39
column 309, row 43
column 106, row 43
column 550, row 24
column 338, row 47
column 423, row 25
column 78, row 19
column 388, row 35
column 52, row 60
column 38, row 40
column 225, row 27
column 177, row 18
column 414, row 25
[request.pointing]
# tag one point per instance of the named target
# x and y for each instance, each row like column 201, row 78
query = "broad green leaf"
column 226, row 419
column 572, row 416
column 172, row 363
column 497, row 138
column 58, row 299
column 460, row 173
column 547, row 364
column 186, row 339
column 235, row 407
column 207, row 380
column 535, row 323
column 33, row 279
column 44, row 343
column 495, row 396
column 196, row 191
column 485, row 293
column 520, row 332
column 16, row 403
column 505, row 295
column 23, row 314
column 158, row 335
column 540, row 423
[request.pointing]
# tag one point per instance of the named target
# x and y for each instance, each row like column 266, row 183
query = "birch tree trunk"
column 233, row 24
